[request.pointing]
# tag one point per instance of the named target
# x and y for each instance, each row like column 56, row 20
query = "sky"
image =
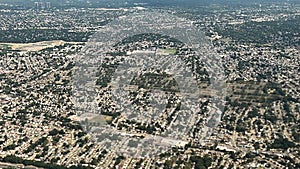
column 156, row 3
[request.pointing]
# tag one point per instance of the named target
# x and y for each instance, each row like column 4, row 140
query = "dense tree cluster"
column 201, row 162
column 17, row 160
column 36, row 35
column 282, row 143
column 283, row 31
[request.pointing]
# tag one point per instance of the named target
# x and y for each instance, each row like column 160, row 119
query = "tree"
column 201, row 162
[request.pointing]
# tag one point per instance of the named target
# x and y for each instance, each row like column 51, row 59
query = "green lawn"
column 170, row 51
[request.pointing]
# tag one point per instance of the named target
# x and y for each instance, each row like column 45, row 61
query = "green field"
column 167, row 51
column 170, row 51
column 5, row 46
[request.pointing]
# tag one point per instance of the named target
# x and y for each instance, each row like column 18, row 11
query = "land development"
column 41, row 104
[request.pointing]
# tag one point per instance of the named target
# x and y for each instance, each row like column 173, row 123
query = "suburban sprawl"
column 46, row 119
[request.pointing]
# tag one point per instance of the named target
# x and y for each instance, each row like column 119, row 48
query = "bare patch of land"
column 35, row 46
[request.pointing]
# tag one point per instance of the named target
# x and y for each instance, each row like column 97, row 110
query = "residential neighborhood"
column 126, row 87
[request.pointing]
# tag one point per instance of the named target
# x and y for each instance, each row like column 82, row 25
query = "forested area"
column 31, row 35
column 282, row 31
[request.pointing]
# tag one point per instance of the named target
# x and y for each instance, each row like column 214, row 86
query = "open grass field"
column 33, row 46
column 166, row 51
